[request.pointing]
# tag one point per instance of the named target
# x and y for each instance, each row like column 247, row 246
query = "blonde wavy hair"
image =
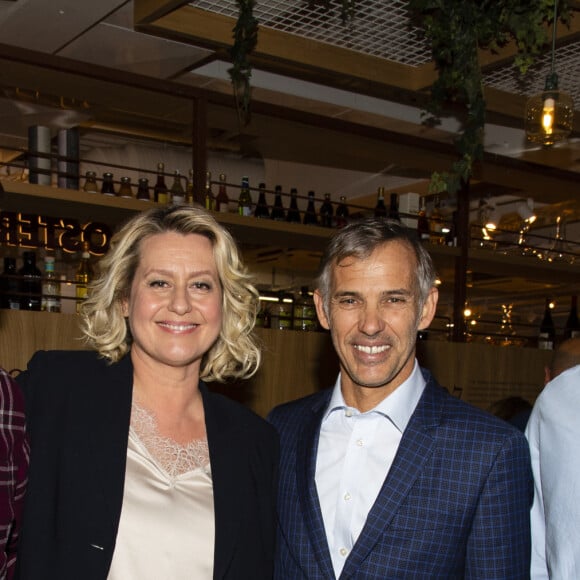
column 235, row 354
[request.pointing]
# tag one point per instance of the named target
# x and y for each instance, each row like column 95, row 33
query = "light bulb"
column 548, row 115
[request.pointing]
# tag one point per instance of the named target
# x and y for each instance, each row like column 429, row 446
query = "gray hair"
column 359, row 239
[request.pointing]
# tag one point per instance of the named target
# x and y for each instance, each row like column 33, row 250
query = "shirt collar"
column 397, row 407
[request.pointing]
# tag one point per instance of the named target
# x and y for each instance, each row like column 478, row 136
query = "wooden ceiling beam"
column 214, row 31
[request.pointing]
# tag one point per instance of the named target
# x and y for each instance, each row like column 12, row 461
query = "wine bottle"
column 160, row 191
column 84, row 275
column 394, row 207
column 208, row 196
column 177, row 193
column 261, row 210
column 326, row 212
column 547, row 333
column 190, row 197
column 30, row 283
column 108, row 185
column 245, row 198
column 380, row 207
column 278, row 213
column 293, row 214
column 342, row 213
column 310, row 217
column 50, row 287
column 222, row 201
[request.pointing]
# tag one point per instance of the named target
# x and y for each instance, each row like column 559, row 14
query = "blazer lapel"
column 414, row 450
column 227, row 457
column 108, row 414
column 306, row 450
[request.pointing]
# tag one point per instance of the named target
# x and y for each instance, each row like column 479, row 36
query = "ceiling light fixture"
column 549, row 115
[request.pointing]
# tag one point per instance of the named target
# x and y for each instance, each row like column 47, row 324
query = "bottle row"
column 431, row 226
column 222, row 201
column 547, row 334
column 28, row 288
column 288, row 311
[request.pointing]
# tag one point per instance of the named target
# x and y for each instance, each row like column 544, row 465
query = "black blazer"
column 78, row 411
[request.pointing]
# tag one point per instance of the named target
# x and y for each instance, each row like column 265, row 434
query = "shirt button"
column 347, row 496
column 343, row 551
column 348, row 413
column 359, row 442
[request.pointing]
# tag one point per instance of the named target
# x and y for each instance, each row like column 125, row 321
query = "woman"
column 137, row 470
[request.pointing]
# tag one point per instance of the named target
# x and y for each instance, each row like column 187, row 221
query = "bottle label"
column 545, row 342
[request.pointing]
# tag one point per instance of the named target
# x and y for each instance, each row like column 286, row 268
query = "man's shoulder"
column 295, row 409
column 458, row 416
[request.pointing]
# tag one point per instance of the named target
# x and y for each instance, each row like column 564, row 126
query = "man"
column 565, row 357
column 387, row 475
column 553, row 432
column 14, row 455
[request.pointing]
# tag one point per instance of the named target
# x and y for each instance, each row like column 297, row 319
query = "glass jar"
column 125, row 189
column 90, row 185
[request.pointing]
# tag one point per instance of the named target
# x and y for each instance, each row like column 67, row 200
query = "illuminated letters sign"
column 35, row 231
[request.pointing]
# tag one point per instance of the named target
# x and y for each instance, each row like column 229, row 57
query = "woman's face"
column 175, row 302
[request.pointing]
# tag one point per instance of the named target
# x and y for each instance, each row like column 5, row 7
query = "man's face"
column 374, row 316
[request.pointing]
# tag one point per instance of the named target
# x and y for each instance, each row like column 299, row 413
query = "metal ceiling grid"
column 379, row 29
column 567, row 64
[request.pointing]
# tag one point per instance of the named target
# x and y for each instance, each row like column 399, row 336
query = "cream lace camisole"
column 167, row 525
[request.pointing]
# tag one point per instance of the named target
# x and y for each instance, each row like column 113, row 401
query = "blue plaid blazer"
column 455, row 503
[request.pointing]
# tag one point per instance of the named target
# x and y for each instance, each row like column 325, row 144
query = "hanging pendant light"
column 550, row 114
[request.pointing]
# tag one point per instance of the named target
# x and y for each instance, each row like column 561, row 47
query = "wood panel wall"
column 298, row 363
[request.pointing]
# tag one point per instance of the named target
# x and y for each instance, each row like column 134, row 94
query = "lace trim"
column 175, row 459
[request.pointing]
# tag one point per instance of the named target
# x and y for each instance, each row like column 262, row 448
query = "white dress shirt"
column 355, row 452
column 553, row 432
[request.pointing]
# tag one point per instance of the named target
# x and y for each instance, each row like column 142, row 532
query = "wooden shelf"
column 52, row 201
column 252, row 232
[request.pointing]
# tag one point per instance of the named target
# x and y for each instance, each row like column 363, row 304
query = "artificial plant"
column 457, row 30
column 245, row 35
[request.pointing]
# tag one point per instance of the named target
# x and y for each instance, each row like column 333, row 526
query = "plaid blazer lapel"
column 306, row 450
column 414, row 450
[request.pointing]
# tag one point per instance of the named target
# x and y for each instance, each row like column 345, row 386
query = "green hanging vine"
column 456, row 31
column 245, row 35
